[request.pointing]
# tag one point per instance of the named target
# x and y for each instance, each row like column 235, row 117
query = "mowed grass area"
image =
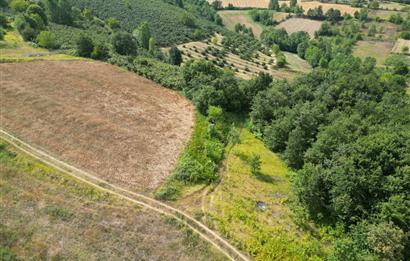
column 232, row 207
column 15, row 49
column 48, row 215
column 379, row 50
column 293, row 25
column 392, row 5
column 231, row 17
column 296, row 63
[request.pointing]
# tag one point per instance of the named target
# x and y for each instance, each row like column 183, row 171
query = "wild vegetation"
column 342, row 129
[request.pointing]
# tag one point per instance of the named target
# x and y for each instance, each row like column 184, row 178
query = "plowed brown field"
column 119, row 126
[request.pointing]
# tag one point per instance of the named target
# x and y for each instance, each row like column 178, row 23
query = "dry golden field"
column 245, row 3
column 401, row 46
column 326, row 6
column 300, row 24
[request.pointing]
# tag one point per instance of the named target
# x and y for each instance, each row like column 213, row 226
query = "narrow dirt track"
column 204, row 232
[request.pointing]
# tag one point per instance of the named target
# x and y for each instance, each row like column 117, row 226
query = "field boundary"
column 203, row 231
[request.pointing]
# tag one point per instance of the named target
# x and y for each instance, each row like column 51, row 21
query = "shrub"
column 19, row 5
column 3, row 20
column 100, row 52
column 255, row 164
column 124, row 44
column 85, row 46
column 113, row 23
column 47, row 40
column 2, row 33
column 175, row 56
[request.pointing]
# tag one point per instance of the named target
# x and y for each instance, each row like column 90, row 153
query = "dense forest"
column 343, row 129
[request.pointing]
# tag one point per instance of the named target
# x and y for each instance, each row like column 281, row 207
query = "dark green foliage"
column 60, row 11
column 123, row 43
column 85, row 46
column 2, row 33
column 100, row 52
column 175, row 56
column 3, row 21
column 262, row 16
column 345, row 130
column 143, row 34
column 208, row 86
column 316, row 13
column 286, row 42
column 255, row 164
column 242, row 44
column 333, row 15
column 165, row 20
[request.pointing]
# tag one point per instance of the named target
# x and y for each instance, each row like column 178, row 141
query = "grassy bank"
column 47, row 215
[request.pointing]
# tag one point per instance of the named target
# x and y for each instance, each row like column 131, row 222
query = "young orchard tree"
column 274, row 5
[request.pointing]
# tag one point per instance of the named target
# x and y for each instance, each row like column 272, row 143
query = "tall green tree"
column 143, row 35
column 175, row 56
column 274, row 5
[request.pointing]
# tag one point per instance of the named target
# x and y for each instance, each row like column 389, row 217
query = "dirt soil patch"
column 293, row 25
column 119, row 126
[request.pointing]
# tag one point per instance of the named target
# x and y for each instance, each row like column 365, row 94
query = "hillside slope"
column 165, row 20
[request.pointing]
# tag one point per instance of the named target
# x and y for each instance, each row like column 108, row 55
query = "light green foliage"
column 19, row 5
column 113, row 23
column 47, row 40
column 143, row 35
column 255, row 164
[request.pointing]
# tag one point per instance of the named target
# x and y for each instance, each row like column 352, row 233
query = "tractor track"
column 203, row 231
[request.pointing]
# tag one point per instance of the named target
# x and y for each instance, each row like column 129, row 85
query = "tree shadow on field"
column 260, row 176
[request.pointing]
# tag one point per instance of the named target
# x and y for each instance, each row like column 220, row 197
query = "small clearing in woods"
column 376, row 49
column 300, row 24
column 401, row 46
column 231, row 18
column 121, row 127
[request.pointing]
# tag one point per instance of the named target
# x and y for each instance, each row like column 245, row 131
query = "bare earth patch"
column 117, row 125
column 300, row 24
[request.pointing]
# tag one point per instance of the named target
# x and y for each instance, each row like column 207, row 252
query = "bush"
column 47, row 40
column 3, row 20
column 19, row 5
column 85, row 46
column 255, row 164
column 100, row 52
column 2, row 33
column 124, row 44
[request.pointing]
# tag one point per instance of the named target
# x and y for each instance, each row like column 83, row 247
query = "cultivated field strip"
column 204, row 232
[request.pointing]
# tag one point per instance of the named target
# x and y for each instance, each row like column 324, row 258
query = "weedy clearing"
column 385, row 14
column 378, row 50
column 15, row 49
column 401, row 46
column 252, row 210
column 232, row 17
column 59, row 218
column 121, row 127
column 293, row 25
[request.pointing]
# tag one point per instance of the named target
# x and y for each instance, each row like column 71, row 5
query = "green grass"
column 297, row 64
column 48, row 215
column 265, row 235
column 15, row 49
column 378, row 50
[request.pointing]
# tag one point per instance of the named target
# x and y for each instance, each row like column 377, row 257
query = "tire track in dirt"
column 204, row 232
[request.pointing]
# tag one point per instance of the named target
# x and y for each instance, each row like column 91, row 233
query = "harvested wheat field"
column 293, row 25
column 117, row 125
column 244, row 3
column 326, row 6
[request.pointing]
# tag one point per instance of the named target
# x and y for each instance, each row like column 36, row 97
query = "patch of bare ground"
column 123, row 128
column 293, row 25
column 401, row 46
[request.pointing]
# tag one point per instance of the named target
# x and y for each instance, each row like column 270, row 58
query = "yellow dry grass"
column 401, row 46
column 244, row 3
column 326, row 6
